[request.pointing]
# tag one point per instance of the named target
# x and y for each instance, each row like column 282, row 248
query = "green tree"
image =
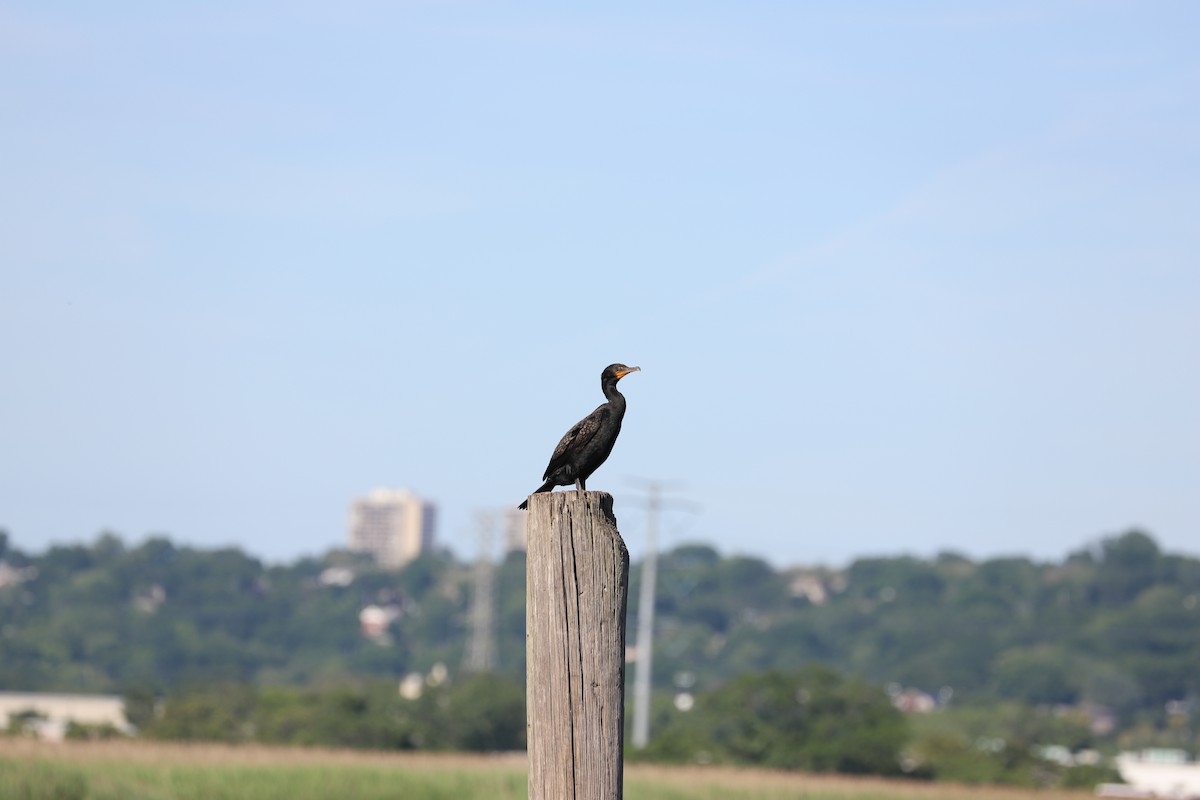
column 484, row 712
column 811, row 719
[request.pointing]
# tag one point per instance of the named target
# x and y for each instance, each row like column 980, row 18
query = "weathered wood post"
column 577, row 585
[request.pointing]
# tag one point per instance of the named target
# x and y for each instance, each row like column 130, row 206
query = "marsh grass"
column 32, row 770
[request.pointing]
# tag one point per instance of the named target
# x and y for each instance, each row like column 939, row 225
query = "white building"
column 393, row 525
column 57, row 711
column 1155, row 773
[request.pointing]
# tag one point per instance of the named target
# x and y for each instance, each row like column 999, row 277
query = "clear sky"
column 901, row 277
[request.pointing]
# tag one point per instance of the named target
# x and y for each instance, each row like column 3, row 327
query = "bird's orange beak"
column 621, row 373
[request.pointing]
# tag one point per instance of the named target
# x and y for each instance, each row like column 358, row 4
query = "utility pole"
column 480, row 655
column 645, row 624
column 644, row 647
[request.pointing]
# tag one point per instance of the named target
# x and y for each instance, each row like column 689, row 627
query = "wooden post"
column 577, row 585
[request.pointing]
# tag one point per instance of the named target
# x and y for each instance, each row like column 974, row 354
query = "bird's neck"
column 615, row 398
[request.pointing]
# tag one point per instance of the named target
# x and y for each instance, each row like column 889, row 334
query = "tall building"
column 393, row 525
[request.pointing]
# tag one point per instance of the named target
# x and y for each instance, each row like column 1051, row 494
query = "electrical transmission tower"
column 644, row 647
column 480, row 655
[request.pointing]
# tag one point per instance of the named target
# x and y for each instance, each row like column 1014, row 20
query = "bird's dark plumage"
column 586, row 446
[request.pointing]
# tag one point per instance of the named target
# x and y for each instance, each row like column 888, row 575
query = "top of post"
column 573, row 502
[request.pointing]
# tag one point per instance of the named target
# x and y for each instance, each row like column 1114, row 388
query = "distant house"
column 12, row 576
column 914, row 701
column 374, row 621
column 1155, row 773
column 809, row 586
column 55, row 712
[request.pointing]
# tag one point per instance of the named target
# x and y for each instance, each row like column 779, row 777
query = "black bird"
column 588, row 443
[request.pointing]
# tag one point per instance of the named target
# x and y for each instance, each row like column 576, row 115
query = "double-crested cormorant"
column 588, row 443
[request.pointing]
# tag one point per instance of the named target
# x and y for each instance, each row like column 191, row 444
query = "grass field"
column 31, row 770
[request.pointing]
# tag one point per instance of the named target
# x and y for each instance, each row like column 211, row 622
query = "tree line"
column 1109, row 635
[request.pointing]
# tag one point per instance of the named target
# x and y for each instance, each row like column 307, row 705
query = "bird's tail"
column 545, row 487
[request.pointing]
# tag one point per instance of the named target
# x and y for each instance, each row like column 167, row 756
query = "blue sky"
column 900, row 277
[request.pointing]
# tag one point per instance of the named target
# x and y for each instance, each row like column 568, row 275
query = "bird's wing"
column 579, row 435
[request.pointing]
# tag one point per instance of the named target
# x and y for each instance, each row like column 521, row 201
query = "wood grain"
column 577, row 584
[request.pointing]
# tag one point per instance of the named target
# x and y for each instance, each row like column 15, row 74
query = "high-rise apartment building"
column 393, row 525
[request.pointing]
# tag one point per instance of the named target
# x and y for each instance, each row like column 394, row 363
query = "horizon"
column 500, row 552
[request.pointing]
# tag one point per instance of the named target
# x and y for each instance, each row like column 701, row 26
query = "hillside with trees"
column 1116, row 625
column 1106, row 642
